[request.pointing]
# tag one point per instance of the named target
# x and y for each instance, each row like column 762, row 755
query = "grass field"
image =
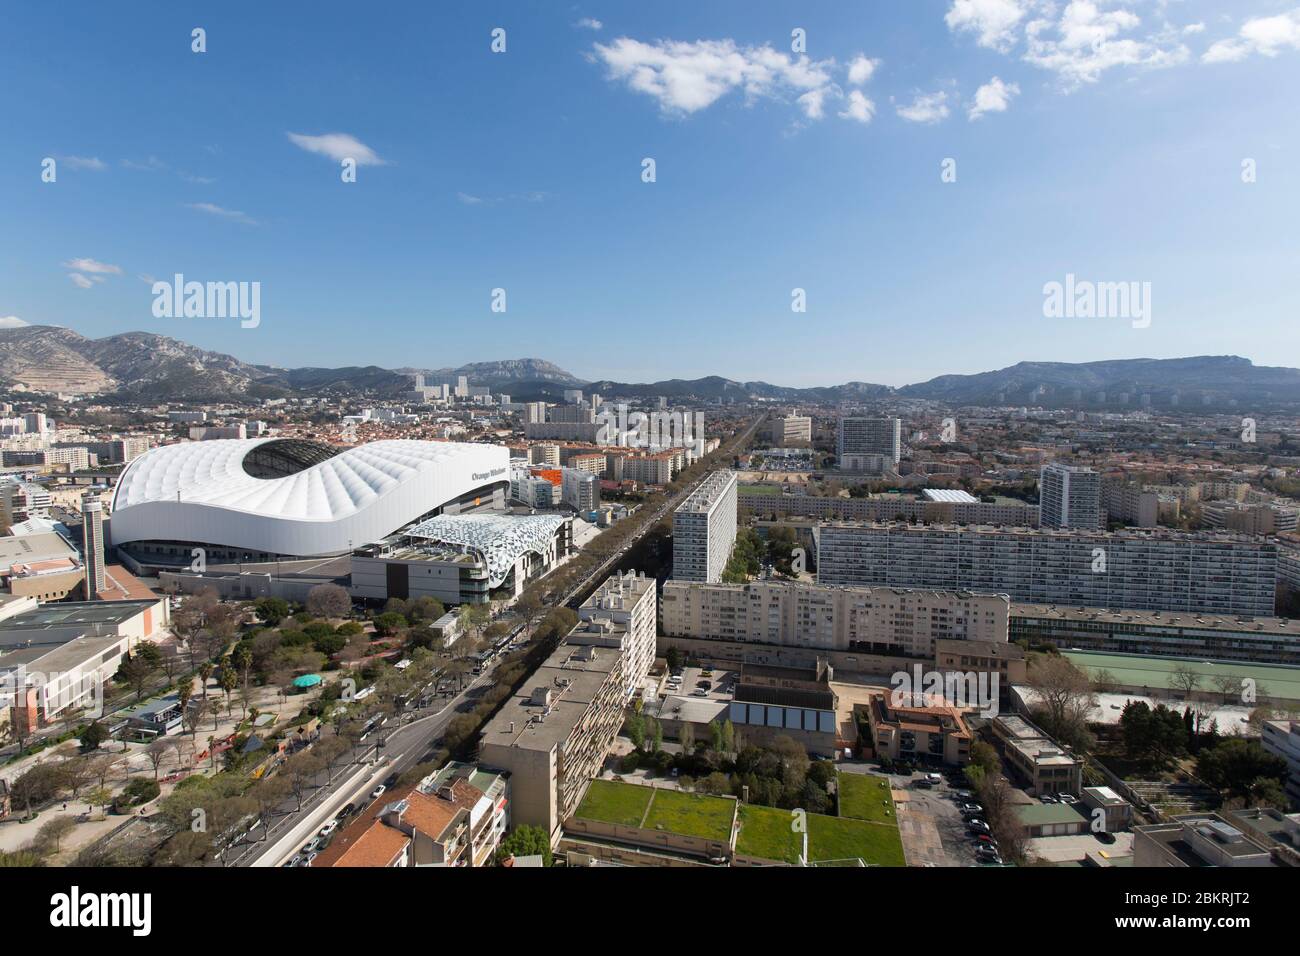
column 691, row 814
column 759, row 490
column 839, row 838
column 863, row 798
column 767, row 833
column 619, row 803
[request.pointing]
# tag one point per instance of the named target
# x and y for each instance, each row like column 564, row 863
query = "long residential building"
column 1217, row 637
column 704, row 529
column 625, row 605
column 888, row 507
column 554, row 733
column 883, row 621
column 1164, row 571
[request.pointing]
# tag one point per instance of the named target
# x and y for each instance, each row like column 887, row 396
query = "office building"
column 704, row 529
column 1069, row 496
column 869, row 444
column 1153, row 570
column 1042, row 765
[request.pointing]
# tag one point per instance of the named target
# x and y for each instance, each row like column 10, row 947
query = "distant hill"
column 145, row 367
column 1206, row 380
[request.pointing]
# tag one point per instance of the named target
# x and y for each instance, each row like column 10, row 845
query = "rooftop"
column 76, row 614
column 1165, row 619
column 548, row 706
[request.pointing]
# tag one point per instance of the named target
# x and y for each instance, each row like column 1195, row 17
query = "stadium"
column 253, row 500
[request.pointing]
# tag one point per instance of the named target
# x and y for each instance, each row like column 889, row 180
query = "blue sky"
column 1103, row 139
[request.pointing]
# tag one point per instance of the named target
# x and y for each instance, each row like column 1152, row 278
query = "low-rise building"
column 1196, row 840
column 1043, row 765
column 930, row 733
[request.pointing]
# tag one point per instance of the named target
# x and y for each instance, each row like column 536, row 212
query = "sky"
column 921, row 170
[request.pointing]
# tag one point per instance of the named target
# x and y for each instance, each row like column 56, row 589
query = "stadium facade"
column 271, row 498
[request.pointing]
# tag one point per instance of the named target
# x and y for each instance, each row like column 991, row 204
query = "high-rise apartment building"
column 580, row 490
column 704, row 529
column 92, row 534
column 625, row 604
column 791, row 430
column 866, row 443
column 1148, row 570
column 1069, row 496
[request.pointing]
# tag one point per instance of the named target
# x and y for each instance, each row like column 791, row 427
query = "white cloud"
column 11, row 322
column 685, row 77
column 861, row 69
column 214, row 210
column 813, row 103
column 149, row 165
column 589, row 23
column 993, row 21
column 469, row 200
column 83, row 162
column 79, row 280
column 993, row 97
column 1087, row 41
column 93, row 266
column 859, row 108
column 926, row 108
column 338, row 147
column 1194, row 28
column 197, row 180
column 1267, row 36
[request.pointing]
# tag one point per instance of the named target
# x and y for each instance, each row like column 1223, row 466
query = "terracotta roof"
column 380, row 845
column 429, row 814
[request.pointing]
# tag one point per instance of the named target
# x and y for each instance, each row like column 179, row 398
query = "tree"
column 1185, row 679
column 985, row 756
column 673, row 656
column 272, row 610
column 1235, row 765
column 229, row 680
column 1065, row 696
column 49, row 838
column 99, row 797
column 526, row 840
column 389, row 623
column 158, row 750
column 94, row 735
column 137, row 669
column 686, row 737
column 205, row 673
column 529, row 608
column 328, row 600
column 243, row 658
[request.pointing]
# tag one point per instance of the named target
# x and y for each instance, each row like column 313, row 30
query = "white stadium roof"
column 500, row 539
column 292, row 496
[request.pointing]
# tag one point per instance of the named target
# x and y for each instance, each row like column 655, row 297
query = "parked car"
column 328, row 828
column 378, row 792
column 977, row 826
column 984, row 839
column 346, row 812
column 991, row 857
column 311, row 846
column 296, row 860
column 970, row 808
column 1068, row 798
column 1048, row 798
column 962, row 796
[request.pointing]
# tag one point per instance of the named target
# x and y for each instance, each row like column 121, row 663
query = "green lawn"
column 838, row 838
column 863, row 798
column 760, row 490
column 768, row 833
column 608, row 801
column 691, row 814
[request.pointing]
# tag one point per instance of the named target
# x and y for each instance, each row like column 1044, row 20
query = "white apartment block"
column 1147, row 570
column 704, row 529
column 1281, row 738
column 21, row 501
column 628, row 603
column 579, row 490
column 791, row 430
column 885, row 621
column 862, row 441
column 1069, row 496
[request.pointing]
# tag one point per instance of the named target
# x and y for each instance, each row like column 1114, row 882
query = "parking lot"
column 714, row 682
column 929, row 819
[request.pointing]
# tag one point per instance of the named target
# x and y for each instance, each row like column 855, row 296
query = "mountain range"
column 145, row 367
